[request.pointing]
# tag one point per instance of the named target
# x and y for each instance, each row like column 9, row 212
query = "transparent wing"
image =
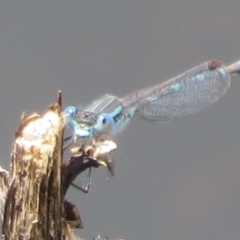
column 185, row 94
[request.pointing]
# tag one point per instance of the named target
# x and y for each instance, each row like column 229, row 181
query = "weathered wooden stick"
column 33, row 205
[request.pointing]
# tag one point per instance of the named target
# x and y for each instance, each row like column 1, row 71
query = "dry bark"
column 33, row 187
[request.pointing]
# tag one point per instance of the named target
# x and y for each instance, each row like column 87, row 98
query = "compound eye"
column 71, row 111
column 69, row 114
column 104, row 121
column 104, row 124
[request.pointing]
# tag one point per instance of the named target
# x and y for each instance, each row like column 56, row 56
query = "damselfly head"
column 81, row 123
column 92, row 124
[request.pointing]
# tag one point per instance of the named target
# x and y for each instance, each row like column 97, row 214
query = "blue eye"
column 69, row 114
column 104, row 121
column 104, row 124
column 70, row 111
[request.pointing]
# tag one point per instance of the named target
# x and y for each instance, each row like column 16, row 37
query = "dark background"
column 176, row 180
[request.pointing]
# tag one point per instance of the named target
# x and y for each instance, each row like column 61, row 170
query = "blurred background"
column 175, row 180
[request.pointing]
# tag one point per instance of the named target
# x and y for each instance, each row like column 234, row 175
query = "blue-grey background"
column 175, row 180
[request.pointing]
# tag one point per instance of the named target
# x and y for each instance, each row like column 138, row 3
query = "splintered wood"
column 34, row 195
